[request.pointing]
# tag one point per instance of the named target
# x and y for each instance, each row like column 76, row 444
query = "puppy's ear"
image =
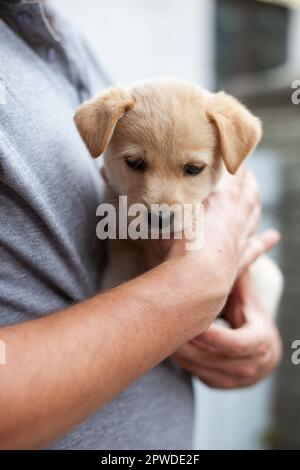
column 239, row 131
column 96, row 119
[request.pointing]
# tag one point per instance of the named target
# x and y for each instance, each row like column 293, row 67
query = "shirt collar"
column 31, row 19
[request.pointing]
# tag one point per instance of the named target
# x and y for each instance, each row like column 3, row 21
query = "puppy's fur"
column 168, row 125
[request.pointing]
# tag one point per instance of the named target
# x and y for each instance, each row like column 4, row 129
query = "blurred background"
column 251, row 49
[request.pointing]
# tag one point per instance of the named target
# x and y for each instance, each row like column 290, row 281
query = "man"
column 86, row 370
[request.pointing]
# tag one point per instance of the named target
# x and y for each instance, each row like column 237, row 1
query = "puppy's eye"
column 193, row 170
column 136, row 163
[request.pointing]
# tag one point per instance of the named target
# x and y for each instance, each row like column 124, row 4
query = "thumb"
column 257, row 246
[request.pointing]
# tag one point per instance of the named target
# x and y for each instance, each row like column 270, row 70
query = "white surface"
column 138, row 39
column 237, row 419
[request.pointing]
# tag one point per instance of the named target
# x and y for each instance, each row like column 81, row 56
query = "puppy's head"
column 166, row 142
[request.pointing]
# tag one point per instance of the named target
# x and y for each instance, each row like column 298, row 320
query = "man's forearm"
column 63, row 367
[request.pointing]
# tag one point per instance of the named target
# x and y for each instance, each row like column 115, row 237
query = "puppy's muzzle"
column 160, row 220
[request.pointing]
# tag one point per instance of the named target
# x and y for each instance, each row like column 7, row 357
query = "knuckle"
column 232, row 194
column 250, row 372
column 252, row 181
column 263, row 348
column 257, row 245
column 253, row 193
column 240, row 349
column 229, row 384
column 224, row 384
column 208, row 383
column 249, row 204
column 252, row 201
column 261, row 341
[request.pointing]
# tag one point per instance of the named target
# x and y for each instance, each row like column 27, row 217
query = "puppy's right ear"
column 96, row 119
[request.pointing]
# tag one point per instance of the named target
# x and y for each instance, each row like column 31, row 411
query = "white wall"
column 138, row 39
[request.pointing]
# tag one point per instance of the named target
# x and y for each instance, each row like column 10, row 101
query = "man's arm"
column 63, row 367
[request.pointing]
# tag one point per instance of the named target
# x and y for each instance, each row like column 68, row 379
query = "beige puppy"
column 168, row 142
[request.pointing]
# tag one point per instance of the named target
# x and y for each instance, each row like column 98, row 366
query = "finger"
column 251, row 183
column 210, row 377
column 103, row 173
column 219, row 380
column 242, row 342
column 241, row 176
column 241, row 171
column 198, row 353
column 249, row 188
column 190, row 352
column 238, row 178
column 234, row 311
column 215, row 379
column 257, row 246
column 252, row 223
column 226, row 373
column 250, row 367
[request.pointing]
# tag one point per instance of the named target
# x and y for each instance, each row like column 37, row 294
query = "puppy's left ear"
column 97, row 118
column 239, row 131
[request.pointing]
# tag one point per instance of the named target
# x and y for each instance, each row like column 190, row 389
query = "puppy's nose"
column 160, row 219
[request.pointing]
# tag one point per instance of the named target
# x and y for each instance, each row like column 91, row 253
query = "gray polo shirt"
column 49, row 190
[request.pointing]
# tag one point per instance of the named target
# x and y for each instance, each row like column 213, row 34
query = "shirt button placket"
column 24, row 17
column 52, row 54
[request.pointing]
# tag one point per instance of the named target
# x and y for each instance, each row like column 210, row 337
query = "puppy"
column 168, row 142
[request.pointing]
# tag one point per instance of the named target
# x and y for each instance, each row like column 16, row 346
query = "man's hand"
column 240, row 356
